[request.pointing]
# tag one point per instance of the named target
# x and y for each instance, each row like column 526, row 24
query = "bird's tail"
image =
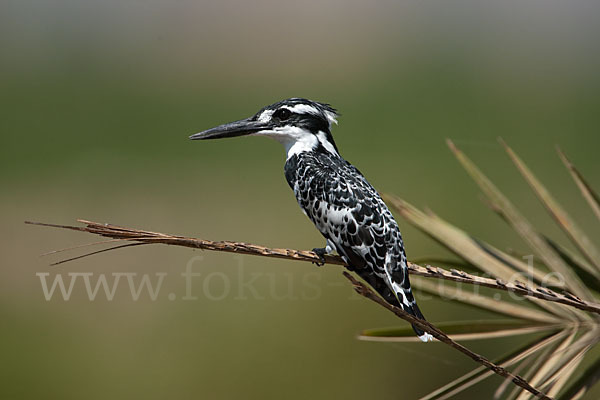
column 408, row 304
column 398, row 294
column 414, row 310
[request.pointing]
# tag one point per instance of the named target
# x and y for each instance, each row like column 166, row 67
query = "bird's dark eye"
column 282, row 114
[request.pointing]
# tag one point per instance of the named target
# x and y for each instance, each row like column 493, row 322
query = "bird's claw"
column 320, row 251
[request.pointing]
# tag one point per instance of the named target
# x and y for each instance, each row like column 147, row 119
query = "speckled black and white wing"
column 357, row 224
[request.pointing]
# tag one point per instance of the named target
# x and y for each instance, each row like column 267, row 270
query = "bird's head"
column 299, row 124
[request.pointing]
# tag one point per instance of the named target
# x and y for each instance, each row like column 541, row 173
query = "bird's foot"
column 321, row 252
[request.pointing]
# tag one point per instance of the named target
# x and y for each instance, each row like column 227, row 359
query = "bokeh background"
column 98, row 99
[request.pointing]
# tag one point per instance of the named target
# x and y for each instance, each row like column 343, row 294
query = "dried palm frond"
column 553, row 361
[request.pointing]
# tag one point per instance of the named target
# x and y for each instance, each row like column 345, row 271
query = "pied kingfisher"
column 336, row 197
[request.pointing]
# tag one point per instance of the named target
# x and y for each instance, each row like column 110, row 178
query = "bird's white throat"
column 296, row 140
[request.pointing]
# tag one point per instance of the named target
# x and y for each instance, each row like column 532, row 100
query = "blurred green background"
column 98, row 99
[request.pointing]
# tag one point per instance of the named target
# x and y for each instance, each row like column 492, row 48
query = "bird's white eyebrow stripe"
column 303, row 109
column 266, row 115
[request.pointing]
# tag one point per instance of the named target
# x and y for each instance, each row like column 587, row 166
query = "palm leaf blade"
column 484, row 302
column 461, row 330
column 588, row 193
column 579, row 238
column 583, row 384
column 477, row 375
column 522, row 226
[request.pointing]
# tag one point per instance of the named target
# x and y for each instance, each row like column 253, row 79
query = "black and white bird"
column 337, row 198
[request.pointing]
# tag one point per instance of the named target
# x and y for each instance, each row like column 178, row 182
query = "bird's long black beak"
column 232, row 129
